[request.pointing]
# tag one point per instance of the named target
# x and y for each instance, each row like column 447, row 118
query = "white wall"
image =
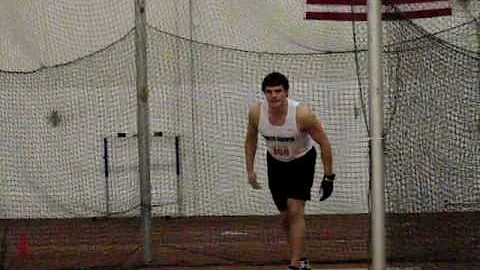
column 38, row 33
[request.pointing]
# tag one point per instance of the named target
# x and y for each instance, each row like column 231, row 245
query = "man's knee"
column 295, row 209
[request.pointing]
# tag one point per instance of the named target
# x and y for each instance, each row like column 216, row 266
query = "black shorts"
column 292, row 179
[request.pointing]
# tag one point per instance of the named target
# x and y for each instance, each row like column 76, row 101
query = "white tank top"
column 284, row 142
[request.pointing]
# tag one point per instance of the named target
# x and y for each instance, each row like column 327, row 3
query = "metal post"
column 143, row 127
column 106, row 175
column 375, row 48
column 178, row 167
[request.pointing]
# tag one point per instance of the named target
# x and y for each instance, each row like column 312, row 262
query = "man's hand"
column 252, row 180
column 326, row 187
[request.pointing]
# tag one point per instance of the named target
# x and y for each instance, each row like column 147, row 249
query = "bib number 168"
column 281, row 151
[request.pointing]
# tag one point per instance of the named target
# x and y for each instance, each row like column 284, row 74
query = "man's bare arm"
column 309, row 123
column 252, row 137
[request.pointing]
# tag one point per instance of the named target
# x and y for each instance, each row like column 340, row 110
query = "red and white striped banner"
column 356, row 10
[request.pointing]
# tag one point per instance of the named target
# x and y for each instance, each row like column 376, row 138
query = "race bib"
column 281, row 151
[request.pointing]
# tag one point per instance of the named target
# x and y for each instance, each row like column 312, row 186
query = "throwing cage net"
column 69, row 154
column 432, row 143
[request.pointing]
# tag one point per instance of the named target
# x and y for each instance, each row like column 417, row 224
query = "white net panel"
column 55, row 118
column 67, row 87
column 431, row 146
column 69, row 145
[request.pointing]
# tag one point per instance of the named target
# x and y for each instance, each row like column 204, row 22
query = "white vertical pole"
column 375, row 48
column 143, row 127
column 193, row 100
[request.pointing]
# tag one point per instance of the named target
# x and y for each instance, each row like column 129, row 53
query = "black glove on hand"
column 326, row 188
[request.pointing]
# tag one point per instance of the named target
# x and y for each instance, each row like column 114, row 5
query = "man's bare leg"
column 285, row 225
column 296, row 229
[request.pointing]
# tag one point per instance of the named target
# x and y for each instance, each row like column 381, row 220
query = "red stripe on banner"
column 364, row 2
column 335, row 16
column 388, row 16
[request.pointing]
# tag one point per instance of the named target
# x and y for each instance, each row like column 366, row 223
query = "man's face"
column 276, row 95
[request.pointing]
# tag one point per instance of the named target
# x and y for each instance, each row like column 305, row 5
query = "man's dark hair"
column 274, row 79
